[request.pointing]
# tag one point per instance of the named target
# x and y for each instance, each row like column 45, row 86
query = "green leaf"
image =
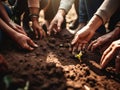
column 27, row 85
column 7, row 80
column 78, row 56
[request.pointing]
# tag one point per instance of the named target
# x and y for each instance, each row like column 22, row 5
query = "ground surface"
column 52, row 67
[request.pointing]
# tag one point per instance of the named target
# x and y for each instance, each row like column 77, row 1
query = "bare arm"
column 23, row 40
column 34, row 9
column 4, row 14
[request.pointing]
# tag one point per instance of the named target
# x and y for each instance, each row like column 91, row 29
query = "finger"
column 22, row 30
column 19, row 29
column 107, row 59
column 28, row 47
column 79, row 47
column 74, row 48
column 36, row 33
column 83, row 46
column 31, row 43
column 59, row 25
column 70, row 48
column 105, row 53
column 55, row 31
column 41, row 33
column 50, row 28
column 94, row 46
column 117, row 63
column 75, row 39
column 91, row 45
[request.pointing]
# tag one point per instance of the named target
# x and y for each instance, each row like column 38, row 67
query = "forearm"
column 34, row 9
column 33, row 3
column 95, row 23
column 62, row 12
column 6, row 28
column 116, row 33
column 34, row 14
column 66, row 5
column 3, row 14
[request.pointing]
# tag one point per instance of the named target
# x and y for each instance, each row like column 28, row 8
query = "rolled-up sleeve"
column 66, row 4
column 34, row 3
column 107, row 9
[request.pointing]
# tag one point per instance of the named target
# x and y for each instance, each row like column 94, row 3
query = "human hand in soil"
column 109, row 53
column 24, row 41
column 56, row 23
column 39, row 32
column 81, row 38
column 105, row 40
column 17, row 27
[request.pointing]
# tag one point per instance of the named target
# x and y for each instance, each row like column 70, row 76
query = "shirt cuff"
column 102, row 14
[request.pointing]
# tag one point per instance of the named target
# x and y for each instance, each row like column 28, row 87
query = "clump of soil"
column 52, row 67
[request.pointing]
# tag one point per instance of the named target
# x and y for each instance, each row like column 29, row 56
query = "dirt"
column 52, row 67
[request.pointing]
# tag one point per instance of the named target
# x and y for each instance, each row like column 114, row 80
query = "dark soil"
column 52, row 67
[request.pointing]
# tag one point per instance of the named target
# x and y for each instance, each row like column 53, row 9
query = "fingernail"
column 37, row 37
column 72, row 42
column 58, row 28
column 48, row 33
column 101, row 66
column 31, row 49
column 36, row 45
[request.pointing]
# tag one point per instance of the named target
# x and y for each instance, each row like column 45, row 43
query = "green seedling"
column 7, row 80
column 26, row 86
column 79, row 55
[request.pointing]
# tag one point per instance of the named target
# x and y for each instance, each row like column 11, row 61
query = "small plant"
column 79, row 55
column 7, row 80
column 26, row 86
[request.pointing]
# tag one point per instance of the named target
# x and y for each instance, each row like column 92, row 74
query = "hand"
column 56, row 23
column 104, row 40
column 109, row 53
column 39, row 32
column 81, row 38
column 17, row 27
column 25, row 42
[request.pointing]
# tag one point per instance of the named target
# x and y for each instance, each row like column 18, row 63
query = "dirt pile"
column 52, row 67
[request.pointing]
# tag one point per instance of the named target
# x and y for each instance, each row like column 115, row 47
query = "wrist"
column 34, row 17
column 94, row 23
column 62, row 12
